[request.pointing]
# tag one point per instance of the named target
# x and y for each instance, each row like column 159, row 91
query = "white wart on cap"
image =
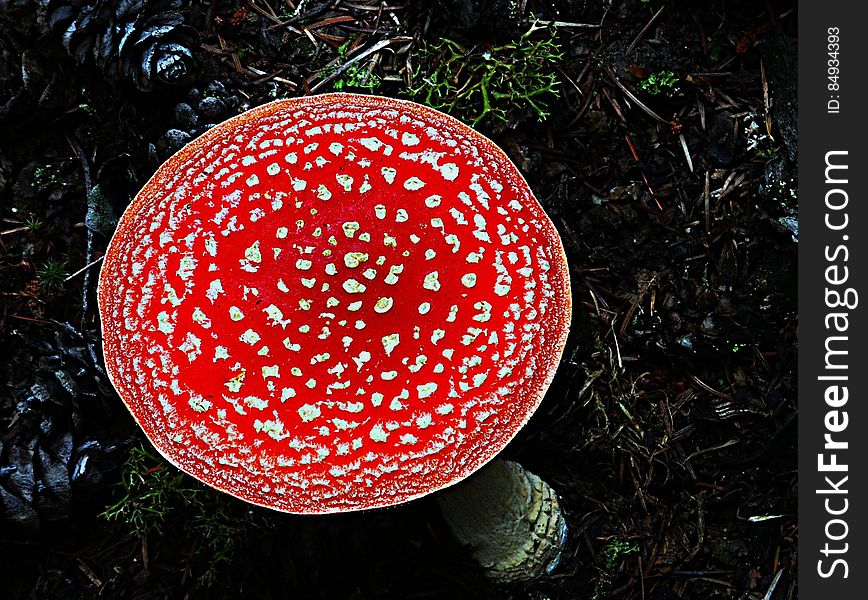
column 334, row 303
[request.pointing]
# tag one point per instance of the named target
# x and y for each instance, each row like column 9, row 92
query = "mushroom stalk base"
column 510, row 518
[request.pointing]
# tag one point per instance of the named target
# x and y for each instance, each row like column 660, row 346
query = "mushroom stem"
column 510, row 518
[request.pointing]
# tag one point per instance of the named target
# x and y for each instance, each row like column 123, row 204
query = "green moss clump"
column 612, row 554
column 662, row 83
column 356, row 76
column 499, row 85
column 158, row 499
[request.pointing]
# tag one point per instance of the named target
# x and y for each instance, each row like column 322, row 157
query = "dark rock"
column 780, row 58
column 186, row 116
column 172, row 141
column 210, row 108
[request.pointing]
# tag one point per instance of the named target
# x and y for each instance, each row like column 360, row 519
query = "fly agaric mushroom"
column 334, row 303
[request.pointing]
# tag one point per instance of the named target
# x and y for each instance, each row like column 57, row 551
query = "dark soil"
column 670, row 430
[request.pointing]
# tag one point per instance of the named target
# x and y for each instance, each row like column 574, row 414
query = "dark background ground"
column 669, row 432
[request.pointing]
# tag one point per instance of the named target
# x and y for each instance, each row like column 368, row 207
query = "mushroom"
column 336, row 303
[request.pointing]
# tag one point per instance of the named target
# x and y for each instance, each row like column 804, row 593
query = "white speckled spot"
column 433, row 201
column 426, row 389
column 309, row 412
column 449, row 171
column 383, row 305
column 501, row 289
column 253, row 254
column 275, row 315
column 378, row 434
column 201, row 318
column 303, row 264
column 389, row 174
column 371, row 143
column 345, row 181
column 354, row 259
column 350, row 228
column 235, row 383
column 432, row 281
column 249, row 337
column 164, row 324
column 468, row 280
column 394, row 271
column 485, row 315
column 390, row 342
column 413, row 184
column 424, row 308
column 453, row 312
column 352, row 286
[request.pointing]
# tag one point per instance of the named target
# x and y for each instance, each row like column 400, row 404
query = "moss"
column 608, row 560
column 498, row 85
column 158, row 499
column 356, row 76
column 663, row 83
column 51, row 276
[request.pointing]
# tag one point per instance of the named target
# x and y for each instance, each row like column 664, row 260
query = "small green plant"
column 664, row 82
column 34, row 224
column 51, row 275
column 768, row 152
column 757, row 138
column 158, row 499
column 612, row 553
column 355, row 76
column 502, row 83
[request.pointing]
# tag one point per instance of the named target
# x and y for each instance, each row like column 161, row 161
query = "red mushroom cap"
column 334, row 303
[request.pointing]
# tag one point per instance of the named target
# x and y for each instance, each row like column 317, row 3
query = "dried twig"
column 644, row 29
column 686, row 151
column 633, row 97
column 375, row 48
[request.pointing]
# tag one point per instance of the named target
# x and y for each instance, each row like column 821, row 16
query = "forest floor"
column 660, row 137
